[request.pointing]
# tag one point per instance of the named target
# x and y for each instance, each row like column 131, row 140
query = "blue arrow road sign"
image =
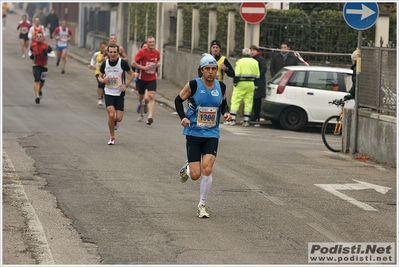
column 361, row 16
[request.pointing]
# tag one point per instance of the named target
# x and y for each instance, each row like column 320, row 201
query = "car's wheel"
column 293, row 119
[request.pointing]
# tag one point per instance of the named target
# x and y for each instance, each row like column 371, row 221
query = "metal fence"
column 99, row 21
column 377, row 81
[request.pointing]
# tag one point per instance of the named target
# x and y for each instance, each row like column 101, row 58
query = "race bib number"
column 43, row 76
column 113, row 82
column 207, row 116
column 24, row 30
column 64, row 39
column 152, row 67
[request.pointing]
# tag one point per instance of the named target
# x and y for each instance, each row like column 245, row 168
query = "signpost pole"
column 359, row 16
column 355, row 113
column 251, row 39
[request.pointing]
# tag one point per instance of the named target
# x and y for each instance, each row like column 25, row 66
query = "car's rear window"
column 297, row 79
column 279, row 76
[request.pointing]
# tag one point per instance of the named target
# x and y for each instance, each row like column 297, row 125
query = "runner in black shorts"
column 112, row 74
column 117, row 101
column 198, row 146
column 147, row 62
column 39, row 53
column 23, row 29
column 149, row 85
column 39, row 73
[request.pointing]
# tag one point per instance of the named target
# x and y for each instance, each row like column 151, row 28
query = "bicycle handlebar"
column 341, row 102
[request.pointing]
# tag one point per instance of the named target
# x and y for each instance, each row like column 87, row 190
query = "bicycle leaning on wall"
column 331, row 132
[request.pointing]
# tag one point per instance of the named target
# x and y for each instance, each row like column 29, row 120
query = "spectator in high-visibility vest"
column 224, row 66
column 246, row 81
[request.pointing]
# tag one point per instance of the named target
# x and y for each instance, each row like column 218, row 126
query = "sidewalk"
column 166, row 91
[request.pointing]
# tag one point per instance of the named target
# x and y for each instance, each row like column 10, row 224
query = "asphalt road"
column 69, row 198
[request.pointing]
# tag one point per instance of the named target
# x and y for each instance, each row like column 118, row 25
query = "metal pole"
column 252, row 34
column 355, row 114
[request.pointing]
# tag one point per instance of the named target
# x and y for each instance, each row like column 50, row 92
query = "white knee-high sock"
column 205, row 187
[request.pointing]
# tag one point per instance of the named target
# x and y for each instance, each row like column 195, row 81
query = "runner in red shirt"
column 39, row 53
column 147, row 62
column 23, row 29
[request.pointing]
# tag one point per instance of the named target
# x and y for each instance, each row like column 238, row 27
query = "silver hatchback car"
column 298, row 95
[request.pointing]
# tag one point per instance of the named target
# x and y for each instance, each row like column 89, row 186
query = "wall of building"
column 376, row 135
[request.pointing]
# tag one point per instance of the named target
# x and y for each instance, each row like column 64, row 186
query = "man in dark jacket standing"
column 31, row 9
column 284, row 58
column 261, row 91
column 52, row 20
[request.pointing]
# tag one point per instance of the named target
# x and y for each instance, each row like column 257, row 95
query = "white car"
column 298, row 95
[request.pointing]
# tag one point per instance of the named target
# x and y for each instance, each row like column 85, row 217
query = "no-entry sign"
column 253, row 12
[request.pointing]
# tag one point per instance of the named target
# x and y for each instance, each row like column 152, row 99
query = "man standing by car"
column 284, row 58
column 245, row 83
column 261, row 91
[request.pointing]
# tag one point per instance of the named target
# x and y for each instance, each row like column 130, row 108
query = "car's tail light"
column 284, row 81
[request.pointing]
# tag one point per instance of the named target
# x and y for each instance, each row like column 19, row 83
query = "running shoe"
column 23, row 56
column 63, row 71
column 202, row 212
column 245, row 124
column 141, row 117
column 183, row 173
column 111, row 141
column 116, row 125
column 58, row 62
column 138, row 109
column 145, row 108
column 40, row 94
column 100, row 102
column 150, row 120
column 37, row 100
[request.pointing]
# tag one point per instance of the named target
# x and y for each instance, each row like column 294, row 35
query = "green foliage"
column 309, row 7
column 187, row 22
column 222, row 12
column 239, row 34
column 314, row 27
column 204, row 18
column 143, row 17
column 392, row 28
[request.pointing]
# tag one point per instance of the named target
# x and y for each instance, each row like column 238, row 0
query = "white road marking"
column 333, row 189
column 42, row 250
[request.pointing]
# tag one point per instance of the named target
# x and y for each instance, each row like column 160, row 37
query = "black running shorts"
column 199, row 146
column 117, row 101
column 149, row 85
column 99, row 85
column 39, row 73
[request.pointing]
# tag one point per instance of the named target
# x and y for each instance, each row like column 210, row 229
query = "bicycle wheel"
column 331, row 133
